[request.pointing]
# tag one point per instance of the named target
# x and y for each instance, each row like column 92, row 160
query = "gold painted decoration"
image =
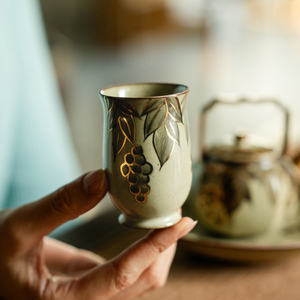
column 162, row 118
column 137, row 170
column 186, row 127
column 121, row 122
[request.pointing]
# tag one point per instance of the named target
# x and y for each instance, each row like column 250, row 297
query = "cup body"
column 147, row 152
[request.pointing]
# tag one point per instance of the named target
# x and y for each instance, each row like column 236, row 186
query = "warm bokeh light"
column 214, row 46
column 295, row 13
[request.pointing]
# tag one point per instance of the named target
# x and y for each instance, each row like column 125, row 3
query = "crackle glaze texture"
column 147, row 152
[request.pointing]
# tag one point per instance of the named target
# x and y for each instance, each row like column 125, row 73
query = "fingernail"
column 186, row 229
column 93, row 182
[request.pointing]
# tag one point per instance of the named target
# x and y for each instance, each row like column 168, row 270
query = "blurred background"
column 213, row 46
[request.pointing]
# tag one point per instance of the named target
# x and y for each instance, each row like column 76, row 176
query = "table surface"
column 195, row 277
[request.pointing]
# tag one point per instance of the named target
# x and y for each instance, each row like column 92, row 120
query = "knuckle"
column 155, row 246
column 123, row 278
column 54, row 289
column 61, row 202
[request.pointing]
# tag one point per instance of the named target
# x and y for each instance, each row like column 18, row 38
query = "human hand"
column 33, row 266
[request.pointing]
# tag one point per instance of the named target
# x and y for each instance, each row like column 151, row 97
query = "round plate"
column 268, row 246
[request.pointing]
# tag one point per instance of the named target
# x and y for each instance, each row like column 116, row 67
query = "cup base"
column 150, row 223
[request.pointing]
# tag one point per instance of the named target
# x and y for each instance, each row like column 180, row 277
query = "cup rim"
column 186, row 90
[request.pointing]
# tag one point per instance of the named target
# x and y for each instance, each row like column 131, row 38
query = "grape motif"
column 137, row 170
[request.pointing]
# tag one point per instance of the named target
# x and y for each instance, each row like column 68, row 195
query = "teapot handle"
column 235, row 100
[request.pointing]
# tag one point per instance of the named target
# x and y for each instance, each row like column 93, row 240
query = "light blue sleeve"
column 36, row 151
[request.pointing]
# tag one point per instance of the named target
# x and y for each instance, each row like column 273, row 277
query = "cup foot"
column 150, row 223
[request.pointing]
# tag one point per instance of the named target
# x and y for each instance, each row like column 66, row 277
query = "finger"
column 63, row 259
column 123, row 271
column 29, row 223
column 152, row 278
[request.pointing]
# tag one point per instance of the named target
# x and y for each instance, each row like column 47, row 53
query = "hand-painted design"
column 221, row 192
column 162, row 118
column 211, row 205
column 186, row 127
column 137, row 170
column 121, row 116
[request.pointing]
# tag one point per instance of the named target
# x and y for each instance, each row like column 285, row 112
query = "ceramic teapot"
column 243, row 189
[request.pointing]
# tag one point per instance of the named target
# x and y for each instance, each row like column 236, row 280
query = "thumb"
column 34, row 220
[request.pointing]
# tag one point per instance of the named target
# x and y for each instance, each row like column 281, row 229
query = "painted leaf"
column 183, row 100
column 172, row 130
column 110, row 108
column 163, row 145
column 175, row 109
column 152, row 105
column 155, row 119
column 127, row 108
column 115, row 117
column 183, row 105
column 108, row 103
column 119, row 140
column 127, row 127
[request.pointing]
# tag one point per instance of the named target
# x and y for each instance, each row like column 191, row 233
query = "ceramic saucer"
column 265, row 247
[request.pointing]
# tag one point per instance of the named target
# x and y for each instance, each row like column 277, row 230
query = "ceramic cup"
column 147, row 152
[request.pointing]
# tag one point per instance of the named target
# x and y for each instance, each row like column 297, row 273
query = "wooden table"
column 193, row 277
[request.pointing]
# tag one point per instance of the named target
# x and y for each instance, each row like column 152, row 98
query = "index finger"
column 28, row 223
column 124, row 270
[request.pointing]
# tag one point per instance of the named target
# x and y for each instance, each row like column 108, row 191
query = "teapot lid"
column 240, row 152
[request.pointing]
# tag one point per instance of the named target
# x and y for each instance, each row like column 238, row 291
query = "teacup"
column 147, row 152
